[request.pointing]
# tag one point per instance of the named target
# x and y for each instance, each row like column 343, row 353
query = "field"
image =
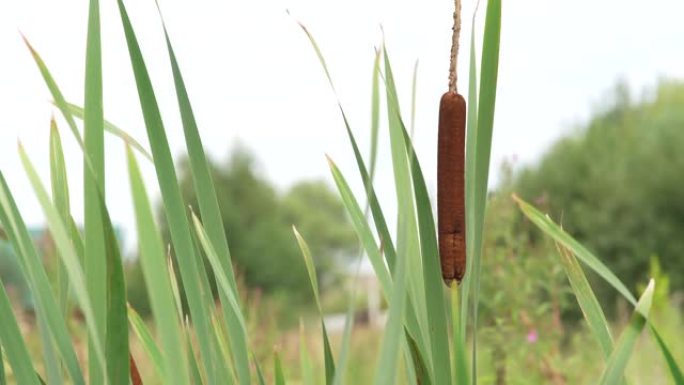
column 526, row 311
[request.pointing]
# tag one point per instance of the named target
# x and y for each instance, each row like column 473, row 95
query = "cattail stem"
column 453, row 77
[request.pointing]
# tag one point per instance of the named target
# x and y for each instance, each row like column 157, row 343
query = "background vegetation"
column 510, row 321
column 619, row 175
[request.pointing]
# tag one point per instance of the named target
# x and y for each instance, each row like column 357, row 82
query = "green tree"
column 617, row 184
column 258, row 222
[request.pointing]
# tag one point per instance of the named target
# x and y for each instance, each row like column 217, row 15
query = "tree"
column 617, row 184
column 258, row 223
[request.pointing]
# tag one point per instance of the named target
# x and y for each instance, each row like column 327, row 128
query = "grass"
column 431, row 333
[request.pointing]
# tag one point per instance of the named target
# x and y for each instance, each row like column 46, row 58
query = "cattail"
column 451, row 185
column 451, row 170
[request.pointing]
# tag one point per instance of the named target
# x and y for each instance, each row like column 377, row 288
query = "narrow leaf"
column 311, row 269
column 414, row 94
column 94, row 185
column 559, row 235
column 146, row 341
column 157, row 282
column 116, row 344
column 305, row 359
column 564, row 239
column 363, row 230
column 34, row 273
column 67, row 252
column 221, row 278
column 13, row 344
column 422, row 375
column 110, row 127
column 676, row 372
column 260, row 374
column 471, row 144
column 60, row 197
column 375, row 116
column 191, row 266
column 615, row 367
column 587, row 300
column 278, row 370
column 385, row 372
column 209, row 209
column 484, row 128
column 53, row 368
column 346, row 341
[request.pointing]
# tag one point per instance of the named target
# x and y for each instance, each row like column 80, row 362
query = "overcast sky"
column 254, row 79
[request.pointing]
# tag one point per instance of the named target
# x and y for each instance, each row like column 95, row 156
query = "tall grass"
column 426, row 331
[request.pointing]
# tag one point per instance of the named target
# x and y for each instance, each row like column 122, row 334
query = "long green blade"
column 385, row 372
column 3, row 378
column 223, row 341
column 192, row 360
column 560, row 236
column 60, row 197
column 408, row 244
column 116, row 343
column 260, row 374
column 416, row 371
column 375, row 115
column 34, row 273
column 382, row 229
column 110, row 127
column 615, row 367
column 157, row 282
column 587, row 300
column 676, row 372
column 414, row 94
column 67, row 252
column 432, row 277
column 57, row 95
column 340, row 371
column 278, row 370
column 147, row 341
column 305, row 359
column 311, row 270
column 69, row 111
column 221, row 278
column 483, row 144
column 210, row 211
column 94, row 184
column 13, row 344
column 363, row 230
column 53, row 369
column 191, row 266
column 367, row 177
column 470, row 190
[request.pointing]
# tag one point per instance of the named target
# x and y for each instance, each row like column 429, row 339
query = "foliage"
column 616, row 185
column 523, row 297
column 211, row 341
column 258, row 222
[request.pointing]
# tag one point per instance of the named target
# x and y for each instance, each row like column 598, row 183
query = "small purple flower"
column 532, row 336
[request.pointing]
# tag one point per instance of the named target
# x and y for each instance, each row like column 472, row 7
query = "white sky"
column 253, row 77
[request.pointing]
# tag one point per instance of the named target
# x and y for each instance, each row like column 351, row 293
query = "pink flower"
column 532, row 336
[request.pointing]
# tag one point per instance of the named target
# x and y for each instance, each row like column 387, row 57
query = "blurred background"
column 589, row 127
